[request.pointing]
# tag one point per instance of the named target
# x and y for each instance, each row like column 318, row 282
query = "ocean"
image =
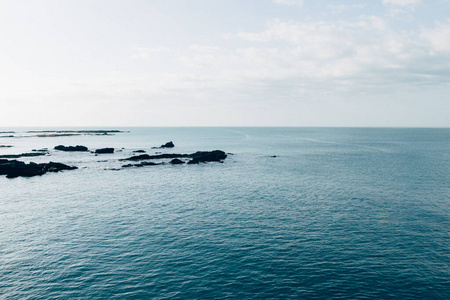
column 338, row 213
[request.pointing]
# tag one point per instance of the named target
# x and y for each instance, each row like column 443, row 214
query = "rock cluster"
column 14, row 168
column 197, row 157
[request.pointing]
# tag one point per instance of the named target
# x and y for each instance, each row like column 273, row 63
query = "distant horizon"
column 107, row 127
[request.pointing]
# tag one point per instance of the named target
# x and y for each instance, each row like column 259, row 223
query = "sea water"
column 338, row 213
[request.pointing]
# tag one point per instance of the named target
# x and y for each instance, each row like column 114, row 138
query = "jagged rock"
column 77, row 148
column 14, row 168
column 176, row 161
column 104, row 150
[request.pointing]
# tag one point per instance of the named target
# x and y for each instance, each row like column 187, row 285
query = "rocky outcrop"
column 168, row 145
column 77, row 148
column 14, row 168
column 197, row 157
column 23, row 155
column 104, row 150
column 206, row 156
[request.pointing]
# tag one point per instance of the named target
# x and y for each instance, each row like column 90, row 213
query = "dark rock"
column 176, row 161
column 168, row 145
column 23, row 155
column 104, row 150
column 5, row 146
column 274, row 156
column 197, row 157
column 77, row 148
column 139, row 151
column 14, row 168
column 142, row 164
column 159, row 156
column 206, row 156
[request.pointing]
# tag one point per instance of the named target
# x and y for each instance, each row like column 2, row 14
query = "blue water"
column 339, row 213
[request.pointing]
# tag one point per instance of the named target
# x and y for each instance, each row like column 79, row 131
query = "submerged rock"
column 142, row 164
column 176, row 161
column 104, row 150
column 77, row 148
column 159, row 156
column 14, row 168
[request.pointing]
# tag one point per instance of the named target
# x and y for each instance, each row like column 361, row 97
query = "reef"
column 23, row 155
column 14, row 168
column 195, row 158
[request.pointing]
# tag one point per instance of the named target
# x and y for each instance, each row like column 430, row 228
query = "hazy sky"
column 225, row 63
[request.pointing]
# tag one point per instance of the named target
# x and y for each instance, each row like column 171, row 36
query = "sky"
column 371, row 63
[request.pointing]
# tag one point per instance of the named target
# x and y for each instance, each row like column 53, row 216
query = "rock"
column 14, row 168
column 5, row 146
column 176, row 161
column 159, row 156
column 77, row 148
column 23, row 155
column 206, row 156
column 142, row 164
column 197, row 157
column 104, row 150
column 139, row 151
column 168, row 145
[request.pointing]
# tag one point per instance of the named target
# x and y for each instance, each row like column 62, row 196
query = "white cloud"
column 289, row 2
column 402, row 2
column 439, row 37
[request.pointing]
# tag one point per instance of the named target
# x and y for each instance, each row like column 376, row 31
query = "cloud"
column 365, row 54
column 439, row 37
column 402, row 2
column 289, row 2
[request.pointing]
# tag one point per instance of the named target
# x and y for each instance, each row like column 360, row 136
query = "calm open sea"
column 339, row 213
